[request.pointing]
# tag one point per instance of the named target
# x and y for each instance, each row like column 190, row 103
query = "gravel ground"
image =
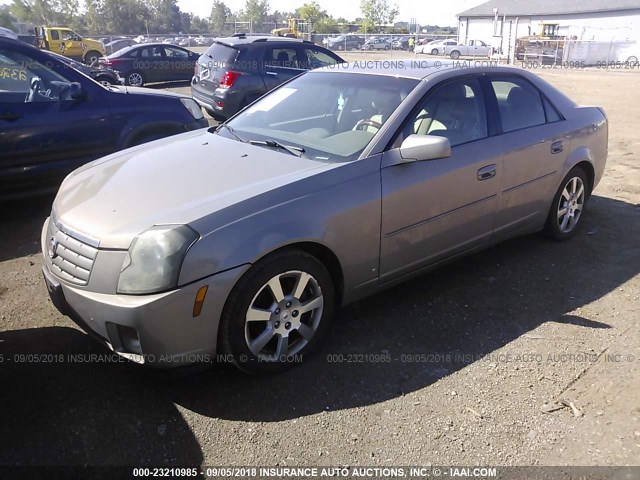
column 478, row 350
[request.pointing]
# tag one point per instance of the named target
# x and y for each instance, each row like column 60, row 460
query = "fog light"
column 200, row 296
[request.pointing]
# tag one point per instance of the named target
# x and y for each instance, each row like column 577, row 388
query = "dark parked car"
column 99, row 73
column 117, row 45
column 237, row 70
column 400, row 43
column 152, row 62
column 54, row 119
column 345, row 42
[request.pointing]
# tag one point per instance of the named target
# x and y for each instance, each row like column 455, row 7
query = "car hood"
column 176, row 180
column 146, row 91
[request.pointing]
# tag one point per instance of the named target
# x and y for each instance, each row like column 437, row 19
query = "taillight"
column 229, row 78
column 110, row 63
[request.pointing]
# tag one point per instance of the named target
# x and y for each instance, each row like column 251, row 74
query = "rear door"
column 179, row 63
column 535, row 146
column 46, row 136
column 281, row 63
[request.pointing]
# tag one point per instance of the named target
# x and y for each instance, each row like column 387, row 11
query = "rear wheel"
column 92, row 57
column 568, row 205
column 277, row 313
column 434, row 51
column 455, row 54
column 103, row 80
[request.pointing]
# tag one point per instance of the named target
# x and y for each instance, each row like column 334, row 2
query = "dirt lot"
column 503, row 333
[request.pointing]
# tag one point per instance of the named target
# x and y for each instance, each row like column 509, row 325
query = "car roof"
column 401, row 68
column 248, row 39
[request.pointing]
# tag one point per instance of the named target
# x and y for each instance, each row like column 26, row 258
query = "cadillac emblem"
column 53, row 246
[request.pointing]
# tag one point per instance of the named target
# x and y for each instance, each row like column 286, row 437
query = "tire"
column 134, row 79
column 258, row 345
column 571, row 198
column 434, row 51
column 103, row 80
column 455, row 54
column 386, row 47
column 92, row 56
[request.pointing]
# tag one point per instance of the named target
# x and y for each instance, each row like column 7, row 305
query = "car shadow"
column 97, row 412
column 67, row 401
column 21, row 223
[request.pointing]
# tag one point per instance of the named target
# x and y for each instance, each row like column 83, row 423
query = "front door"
column 438, row 208
column 45, row 134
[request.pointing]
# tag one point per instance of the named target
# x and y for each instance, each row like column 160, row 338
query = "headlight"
column 154, row 259
column 191, row 105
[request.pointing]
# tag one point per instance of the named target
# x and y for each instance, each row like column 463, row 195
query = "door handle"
column 557, row 147
column 10, row 116
column 487, row 172
column 272, row 73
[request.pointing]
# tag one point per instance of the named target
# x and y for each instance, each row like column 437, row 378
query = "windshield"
column 332, row 116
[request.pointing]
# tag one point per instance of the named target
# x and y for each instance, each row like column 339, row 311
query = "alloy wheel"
column 283, row 316
column 135, row 79
column 571, row 204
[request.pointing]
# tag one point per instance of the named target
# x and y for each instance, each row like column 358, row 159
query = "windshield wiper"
column 231, row 130
column 297, row 151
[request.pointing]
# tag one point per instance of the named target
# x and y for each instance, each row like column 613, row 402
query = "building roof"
column 548, row 7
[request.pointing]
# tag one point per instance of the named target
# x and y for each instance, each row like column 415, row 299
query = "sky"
column 427, row 12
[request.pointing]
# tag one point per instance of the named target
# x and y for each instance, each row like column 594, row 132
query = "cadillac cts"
column 243, row 239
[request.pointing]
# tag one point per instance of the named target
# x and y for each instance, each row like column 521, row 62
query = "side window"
column 154, row 53
column 316, row 58
column 550, row 110
column 176, row 54
column 55, row 35
column 17, row 72
column 520, row 104
column 456, row 111
column 68, row 36
column 282, row 57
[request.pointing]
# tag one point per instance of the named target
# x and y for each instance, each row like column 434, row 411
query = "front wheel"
column 434, row 51
column 568, row 205
column 277, row 313
column 135, row 79
column 455, row 54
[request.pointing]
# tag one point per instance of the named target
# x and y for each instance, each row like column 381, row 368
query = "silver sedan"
column 242, row 240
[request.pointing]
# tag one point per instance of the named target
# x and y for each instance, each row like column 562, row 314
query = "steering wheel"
column 35, row 94
column 367, row 123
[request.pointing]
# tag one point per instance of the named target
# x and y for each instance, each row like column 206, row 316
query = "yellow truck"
column 64, row 41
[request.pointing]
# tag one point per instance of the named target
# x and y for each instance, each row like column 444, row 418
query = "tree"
column 165, row 16
column 255, row 11
column 6, row 19
column 45, row 12
column 311, row 12
column 220, row 14
column 377, row 12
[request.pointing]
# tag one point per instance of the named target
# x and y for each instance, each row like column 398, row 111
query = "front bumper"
column 157, row 330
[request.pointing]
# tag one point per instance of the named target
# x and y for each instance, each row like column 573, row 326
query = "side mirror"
column 425, row 147
column 76, row 92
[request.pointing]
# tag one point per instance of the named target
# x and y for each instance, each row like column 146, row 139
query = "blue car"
column 54, row 119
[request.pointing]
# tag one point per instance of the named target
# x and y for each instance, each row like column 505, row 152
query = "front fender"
column 339, row 209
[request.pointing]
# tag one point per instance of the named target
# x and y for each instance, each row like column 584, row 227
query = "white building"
column 500, row 22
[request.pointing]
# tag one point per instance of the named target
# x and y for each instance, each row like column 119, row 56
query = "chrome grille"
column 73, row 259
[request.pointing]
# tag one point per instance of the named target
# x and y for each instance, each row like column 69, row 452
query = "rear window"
column 222, row 53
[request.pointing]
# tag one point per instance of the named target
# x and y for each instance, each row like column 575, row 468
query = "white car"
column 473, row 48
column 5, row 32
column 436, row 47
